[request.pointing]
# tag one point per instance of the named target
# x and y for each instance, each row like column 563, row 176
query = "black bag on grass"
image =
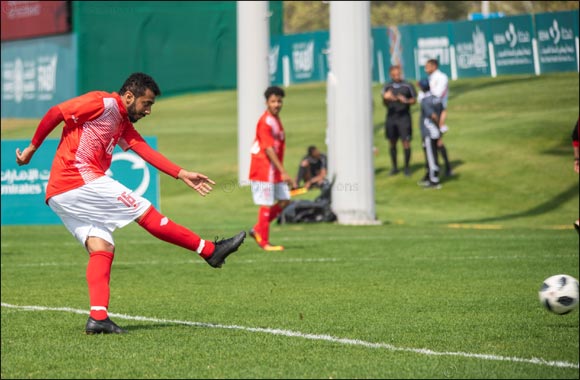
column 307, row 211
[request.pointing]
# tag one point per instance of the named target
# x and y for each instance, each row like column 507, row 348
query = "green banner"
column 433, row 41
column 557, row 36
column 381, row 57
column 512, row 44
column 471, row 48
column 401, row 50
column 37, row 74
column 24, row 187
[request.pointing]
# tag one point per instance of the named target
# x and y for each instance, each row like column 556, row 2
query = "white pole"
column 453, row 63
column 536, row 56
column 350, row 113
column 253, row 76
column 492, row 60
column 485, row 9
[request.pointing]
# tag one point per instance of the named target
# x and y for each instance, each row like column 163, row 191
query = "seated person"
column 312, row 170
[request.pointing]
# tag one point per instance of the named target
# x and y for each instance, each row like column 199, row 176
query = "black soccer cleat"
column 224, row 248
column 105, row 326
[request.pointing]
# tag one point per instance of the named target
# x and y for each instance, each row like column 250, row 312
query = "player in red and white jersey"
column 268, row 178
column 91, row 204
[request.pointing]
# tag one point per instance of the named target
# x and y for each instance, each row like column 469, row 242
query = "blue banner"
column 24, row 187
column 557, row 35
column 37, row 74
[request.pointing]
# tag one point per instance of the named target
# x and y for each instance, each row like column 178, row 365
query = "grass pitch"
column 446, row 287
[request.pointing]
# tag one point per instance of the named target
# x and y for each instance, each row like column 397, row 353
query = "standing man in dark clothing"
column 398, row 96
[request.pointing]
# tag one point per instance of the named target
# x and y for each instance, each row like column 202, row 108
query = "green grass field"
column 446, row 287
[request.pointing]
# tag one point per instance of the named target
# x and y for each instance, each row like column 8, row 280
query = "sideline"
column 326, row 338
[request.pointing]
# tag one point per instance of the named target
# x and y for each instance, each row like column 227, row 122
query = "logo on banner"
column 511, row 36
column 303, row 59
column 556, row 44
column 510, row 51
column 433, row 48
column 138, row 164
column 273, row 59
column 473, row 54
column 29, row 79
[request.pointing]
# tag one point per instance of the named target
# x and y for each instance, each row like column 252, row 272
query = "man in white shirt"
column 439, row 85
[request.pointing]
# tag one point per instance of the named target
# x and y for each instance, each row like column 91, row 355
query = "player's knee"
column 94, row 244
column 283, row 204
column 305, row 164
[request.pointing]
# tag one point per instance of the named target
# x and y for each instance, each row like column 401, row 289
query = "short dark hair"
column 433, row 61
column 138, row 83
column 393, row 67
column 311, row 149
column 274, row 90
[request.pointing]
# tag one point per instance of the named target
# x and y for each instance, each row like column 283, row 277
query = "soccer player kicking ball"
column 269, row 180
column 91, row 204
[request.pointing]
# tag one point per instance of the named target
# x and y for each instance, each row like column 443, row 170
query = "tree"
column 307, row 16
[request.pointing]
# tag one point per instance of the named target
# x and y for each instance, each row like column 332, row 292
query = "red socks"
column 163, row 228
column 266, row 215
column 98, row 277
column 274, row 212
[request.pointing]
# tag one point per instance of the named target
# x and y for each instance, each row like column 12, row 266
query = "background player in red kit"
column 91, row 204
column 269, row 179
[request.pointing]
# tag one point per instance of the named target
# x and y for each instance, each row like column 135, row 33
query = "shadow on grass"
column 540, row 209
column 461, row 87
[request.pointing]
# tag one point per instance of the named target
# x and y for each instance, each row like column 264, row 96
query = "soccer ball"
column 559, row 293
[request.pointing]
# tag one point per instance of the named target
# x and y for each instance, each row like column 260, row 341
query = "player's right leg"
column 264, row 195
column 98, row 240
column 393, row 136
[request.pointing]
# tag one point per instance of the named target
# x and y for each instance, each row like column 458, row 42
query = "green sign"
column 36, row 74
column 471, row 51
column 512, row 44
column 24, row 187
column 433, row 41
column 557, row 35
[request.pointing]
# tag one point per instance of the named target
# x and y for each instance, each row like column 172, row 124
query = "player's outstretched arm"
column 24, row 157
column 48, row 123
column 197, row 181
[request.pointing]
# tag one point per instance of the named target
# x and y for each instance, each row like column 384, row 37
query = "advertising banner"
column 27, row 19
column 401, row 50
column 24, row 187
column 306, row 54
column 512, row 44
column 433, row 41
column 37, row 74
column 557, row 35
column 381, row 57
column 471, row 51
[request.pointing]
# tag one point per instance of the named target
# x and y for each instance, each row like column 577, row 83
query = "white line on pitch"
column 296, row 260
column 326, row 338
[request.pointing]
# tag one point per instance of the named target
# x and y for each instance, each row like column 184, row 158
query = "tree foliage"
column 307, row 16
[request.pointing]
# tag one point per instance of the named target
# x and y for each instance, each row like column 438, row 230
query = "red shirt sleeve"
column 131, row 139
column 264, row 134
column 48, row 123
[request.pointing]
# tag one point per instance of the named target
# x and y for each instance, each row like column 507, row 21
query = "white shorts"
column 267, row 193
column 98, row 208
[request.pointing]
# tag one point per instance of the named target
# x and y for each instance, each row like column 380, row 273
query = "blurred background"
column 54, row 50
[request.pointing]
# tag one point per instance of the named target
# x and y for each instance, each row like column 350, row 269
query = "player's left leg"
column 165, row 229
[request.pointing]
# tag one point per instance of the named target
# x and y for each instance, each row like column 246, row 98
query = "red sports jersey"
column 269, row 133
column 94, row 123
